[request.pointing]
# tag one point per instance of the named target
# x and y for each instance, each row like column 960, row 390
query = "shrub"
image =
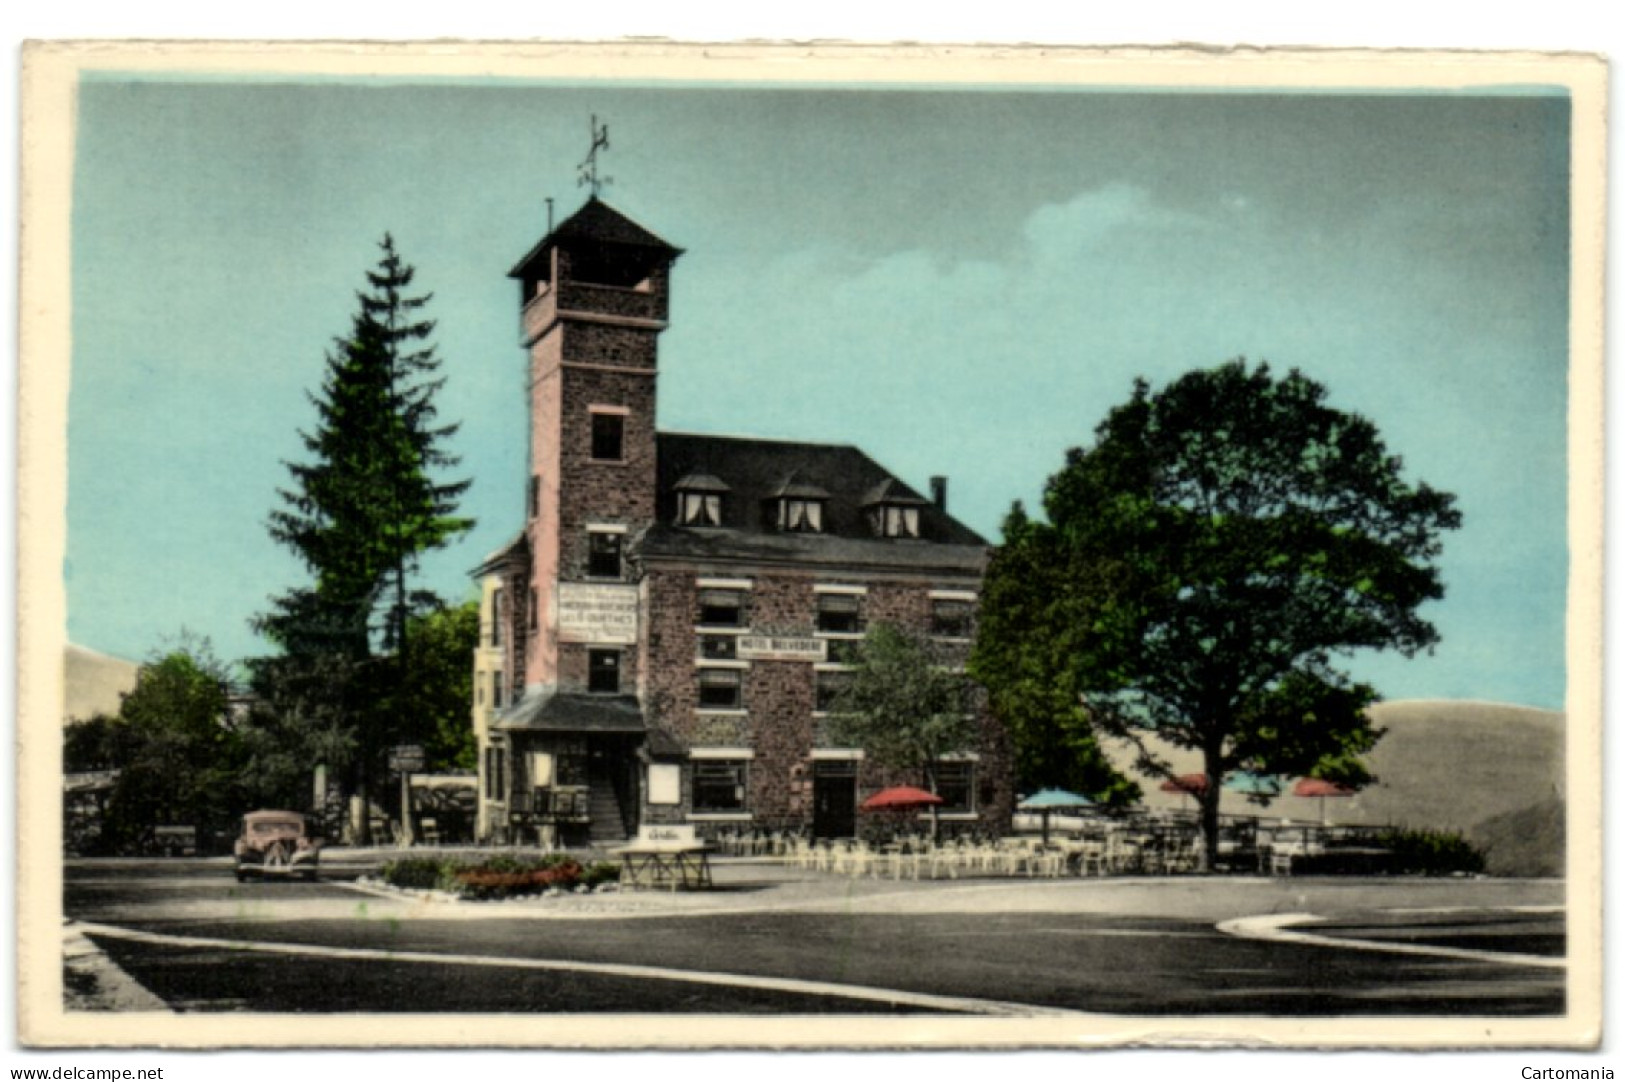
column 602, row 872
column 419, row 873
column 1431, row 852
column 501, row 875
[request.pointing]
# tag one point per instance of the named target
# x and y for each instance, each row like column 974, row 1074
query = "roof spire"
column 587, row 170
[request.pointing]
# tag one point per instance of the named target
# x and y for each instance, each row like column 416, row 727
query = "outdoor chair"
column 1182, row 855
column 943, row 858
column 1092, row 855
column 430, row 831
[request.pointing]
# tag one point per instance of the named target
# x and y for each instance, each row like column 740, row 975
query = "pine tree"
column 362, row 512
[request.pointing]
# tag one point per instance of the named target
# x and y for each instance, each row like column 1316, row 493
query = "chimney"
column 939, row 492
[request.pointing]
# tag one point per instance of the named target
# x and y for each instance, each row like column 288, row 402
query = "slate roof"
column 572, row 712
column 758, row 471
column 513, row 550
column 599, row 222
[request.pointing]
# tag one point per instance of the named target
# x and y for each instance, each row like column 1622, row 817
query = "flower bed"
column 500, row 876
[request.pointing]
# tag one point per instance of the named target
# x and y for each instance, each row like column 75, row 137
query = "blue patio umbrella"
column 1047, row 800
column 1250, row 784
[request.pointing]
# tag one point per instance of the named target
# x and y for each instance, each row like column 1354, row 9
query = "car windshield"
column 275, row 826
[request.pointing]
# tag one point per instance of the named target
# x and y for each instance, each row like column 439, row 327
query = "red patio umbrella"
column 1187, row 784
column 1320, row 787
column 900, row 797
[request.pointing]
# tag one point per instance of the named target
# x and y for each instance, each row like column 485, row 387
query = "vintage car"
column 276, row 843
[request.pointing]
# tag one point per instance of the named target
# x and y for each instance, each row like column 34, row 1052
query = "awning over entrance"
column 572, row 712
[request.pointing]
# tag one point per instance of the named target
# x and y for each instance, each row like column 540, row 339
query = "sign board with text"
column 598, row 613
column 405, row 758
column 782, row 648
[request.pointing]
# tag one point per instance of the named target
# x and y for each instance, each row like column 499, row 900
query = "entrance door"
column 835, row 798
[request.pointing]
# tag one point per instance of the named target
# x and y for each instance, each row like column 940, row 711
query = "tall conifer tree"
column 364, row 509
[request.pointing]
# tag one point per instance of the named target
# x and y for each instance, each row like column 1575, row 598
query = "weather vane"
column 587, row 171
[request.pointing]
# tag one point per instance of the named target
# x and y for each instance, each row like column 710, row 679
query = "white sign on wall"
column 782, row 648
column 597, row 612
column 665, row 784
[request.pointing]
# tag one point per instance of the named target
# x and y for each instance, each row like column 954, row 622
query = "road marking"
column 1278, row 928
column 923, row 1000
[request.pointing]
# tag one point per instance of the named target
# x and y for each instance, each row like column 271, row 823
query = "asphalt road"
column 780, row 941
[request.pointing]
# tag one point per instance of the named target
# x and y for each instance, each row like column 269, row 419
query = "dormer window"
column 699, row 500
column 898, row 521
column 801, row 515
column 894, row 511
column 798, row 506
column 700, row 509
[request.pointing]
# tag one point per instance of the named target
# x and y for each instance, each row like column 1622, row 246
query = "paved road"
column 778, row 941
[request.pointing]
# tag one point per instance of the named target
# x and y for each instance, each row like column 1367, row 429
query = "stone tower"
column 594, row 296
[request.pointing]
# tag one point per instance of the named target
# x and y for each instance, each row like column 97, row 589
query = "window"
column 801, row 515
column 951, row 618
column 496, row 690
column 608, row 430
column 899, row 521
column 535, row 608
column 721, row 689
column 699, row 509
column 604, row 671
column 830, row 684
column 720, row 785
column 719, row 647
column 722, row 608
column 496, row 617
column 533, row 497
column 496, row 782
column 603, row 554
column 956, row 784
column 839, row 614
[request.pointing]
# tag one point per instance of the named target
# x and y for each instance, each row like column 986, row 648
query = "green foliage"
column 360, row 514
column 440, row 685
column 501, row 875
column 601, row 872
column 174, row 746
column 1201, row 566
column 420, row 873
column 903, row 706
column 1431, row 852
column 97, row 743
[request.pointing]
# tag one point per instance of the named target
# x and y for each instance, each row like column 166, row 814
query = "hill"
column 1492, row 771
column 93, row 683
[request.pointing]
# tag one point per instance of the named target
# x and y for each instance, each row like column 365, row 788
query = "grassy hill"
column 93, row 683
column 1491, row 771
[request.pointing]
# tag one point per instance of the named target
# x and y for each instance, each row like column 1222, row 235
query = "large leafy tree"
column 174, row 746
column 360, row 513
column 440, row 686
column 1203, row 569
column 904, row 706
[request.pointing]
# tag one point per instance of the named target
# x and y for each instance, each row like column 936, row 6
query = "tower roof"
column 599, row 223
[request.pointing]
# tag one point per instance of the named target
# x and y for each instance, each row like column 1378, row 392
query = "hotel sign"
column 599, row 613
column 782, row 648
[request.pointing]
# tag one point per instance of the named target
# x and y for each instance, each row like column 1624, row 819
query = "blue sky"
column 961, row 282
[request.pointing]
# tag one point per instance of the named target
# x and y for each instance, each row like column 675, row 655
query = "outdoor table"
column 670, row 864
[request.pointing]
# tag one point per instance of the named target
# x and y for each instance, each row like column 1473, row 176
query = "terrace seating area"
column 1091, row 844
